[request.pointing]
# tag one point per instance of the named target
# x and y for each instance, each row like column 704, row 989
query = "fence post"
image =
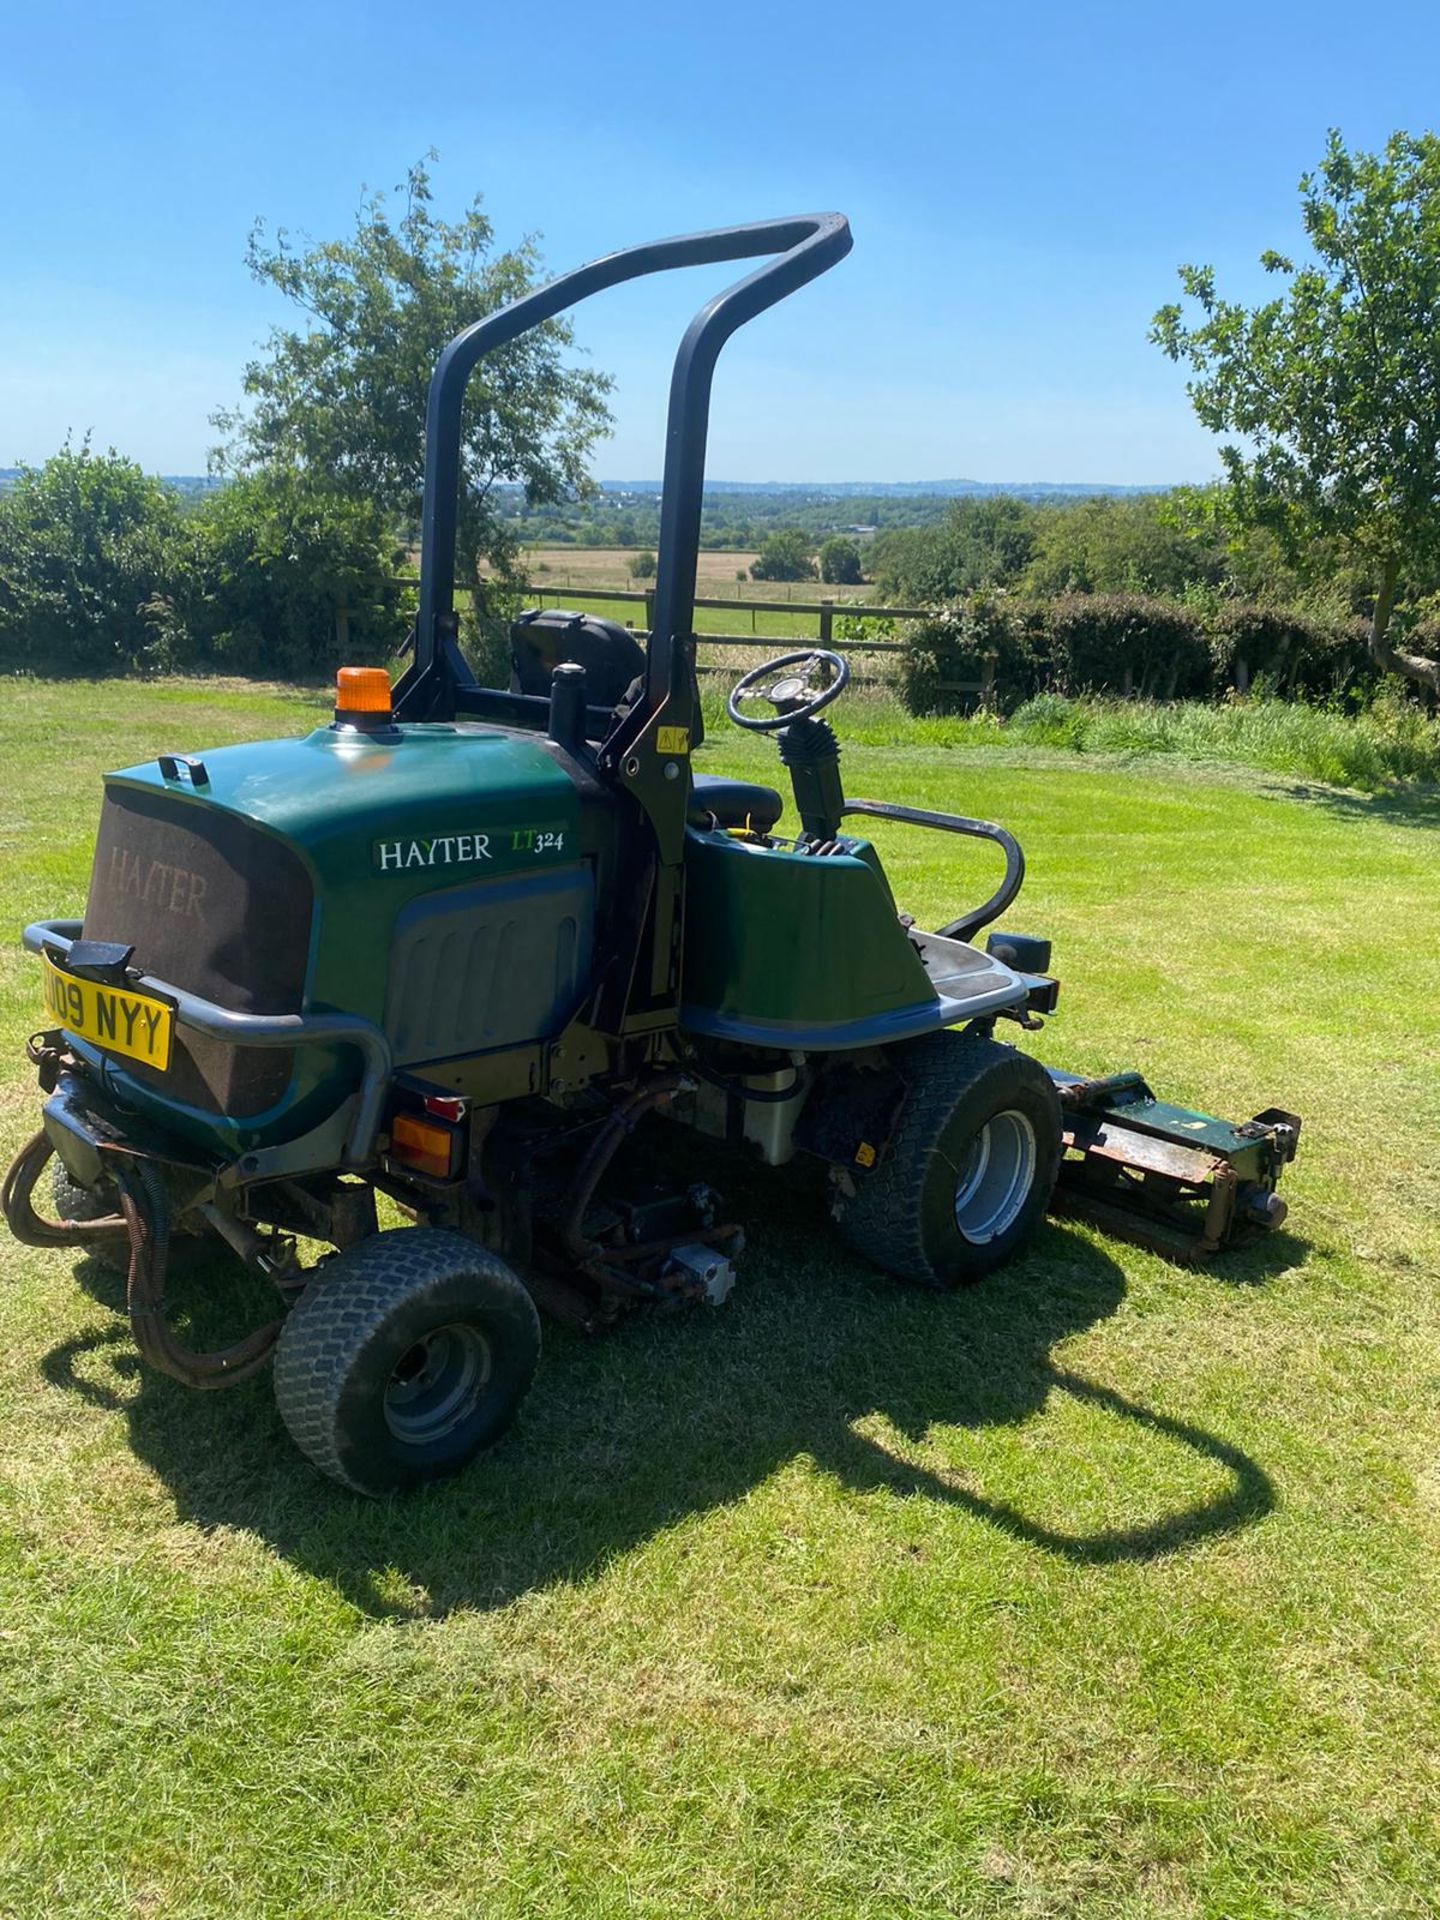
column 827, row 621
column 649, row 609
column 987, row 678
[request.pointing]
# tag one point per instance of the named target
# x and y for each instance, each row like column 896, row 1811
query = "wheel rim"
column 437, row 1384
column 995, row 1177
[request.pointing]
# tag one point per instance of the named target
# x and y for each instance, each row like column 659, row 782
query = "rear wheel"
column 407, row 1356
column 969, row 1173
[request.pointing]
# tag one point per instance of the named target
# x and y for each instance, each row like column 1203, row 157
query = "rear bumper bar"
column 262, row 1030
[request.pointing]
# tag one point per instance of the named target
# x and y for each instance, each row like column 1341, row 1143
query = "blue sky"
column 1022, row 181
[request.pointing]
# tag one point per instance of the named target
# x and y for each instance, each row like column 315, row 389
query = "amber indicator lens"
column 427, row 1145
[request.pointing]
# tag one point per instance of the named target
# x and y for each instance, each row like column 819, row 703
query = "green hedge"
column 86, row 543
column 101, row 571
column 278, row 579
column 1128, row 644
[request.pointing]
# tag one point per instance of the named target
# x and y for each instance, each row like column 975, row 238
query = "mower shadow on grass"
column 626, row 1436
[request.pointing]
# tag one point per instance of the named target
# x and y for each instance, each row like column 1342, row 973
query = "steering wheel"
column 795, row 694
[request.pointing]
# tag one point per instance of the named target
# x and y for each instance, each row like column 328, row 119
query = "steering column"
column 796, row 686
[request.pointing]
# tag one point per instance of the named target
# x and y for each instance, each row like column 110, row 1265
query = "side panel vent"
column 492, row 965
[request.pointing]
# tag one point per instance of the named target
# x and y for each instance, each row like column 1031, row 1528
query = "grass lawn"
column 1105, row 1589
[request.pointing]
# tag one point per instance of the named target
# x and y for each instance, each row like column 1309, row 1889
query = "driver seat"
column 541, row 639
column 717, row 800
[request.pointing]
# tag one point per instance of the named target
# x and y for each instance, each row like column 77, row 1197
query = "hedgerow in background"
column 1126, row 643
column 86, row 545
column 1292, row 652
column 952, row 645
column 278, row 579
column 1121, row 643
column 1129, row 644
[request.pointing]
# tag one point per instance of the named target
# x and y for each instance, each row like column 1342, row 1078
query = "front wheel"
column 407, row 1356
column 969, row 1172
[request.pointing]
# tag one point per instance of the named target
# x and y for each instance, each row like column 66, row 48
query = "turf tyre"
column 342, row 1355
column 76, row 1203
column 906, row 1215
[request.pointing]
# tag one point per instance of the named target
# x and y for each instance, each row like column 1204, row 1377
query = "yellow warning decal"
column 672, row 739
column 865, row 1154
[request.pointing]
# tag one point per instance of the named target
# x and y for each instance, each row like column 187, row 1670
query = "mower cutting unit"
column 1183, row 1183
column 456, row 948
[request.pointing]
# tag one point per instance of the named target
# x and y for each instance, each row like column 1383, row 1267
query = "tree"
column 784, row 556
column 642, row 567
column 343, row 401
column 1108, row 545
column 840, row 562
column 277, row 577
column 1335, row 385
column 86, row 546
column 979, row 544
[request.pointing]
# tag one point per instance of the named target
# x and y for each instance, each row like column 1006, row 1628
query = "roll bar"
column 806, row 246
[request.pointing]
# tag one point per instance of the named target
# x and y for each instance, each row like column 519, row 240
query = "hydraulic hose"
column 144, row 1222
column 29, row 1227
column 601, row 1151
column 147, row 1216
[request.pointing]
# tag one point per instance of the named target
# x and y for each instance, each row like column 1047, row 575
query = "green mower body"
column 444, row 883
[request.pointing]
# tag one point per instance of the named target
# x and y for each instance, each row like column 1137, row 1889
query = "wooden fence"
column 824, row 613
column 823, row 610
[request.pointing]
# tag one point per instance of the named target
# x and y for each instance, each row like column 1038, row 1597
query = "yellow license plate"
column 112, row 1018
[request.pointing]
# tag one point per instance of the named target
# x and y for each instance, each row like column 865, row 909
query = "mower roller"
column 461, row 946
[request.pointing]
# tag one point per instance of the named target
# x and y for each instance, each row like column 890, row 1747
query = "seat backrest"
column 610, row 654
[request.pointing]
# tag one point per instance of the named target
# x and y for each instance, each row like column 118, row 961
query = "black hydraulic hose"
column 601, row 1151
column 147, row 1216
column 144, row 1221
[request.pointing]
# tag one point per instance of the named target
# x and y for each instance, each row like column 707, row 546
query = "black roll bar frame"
column 806, row 245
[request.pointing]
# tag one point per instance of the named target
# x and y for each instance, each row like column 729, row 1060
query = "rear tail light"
column 429, row 1146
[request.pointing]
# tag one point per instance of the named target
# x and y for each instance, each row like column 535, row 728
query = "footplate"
column 1185, row 1184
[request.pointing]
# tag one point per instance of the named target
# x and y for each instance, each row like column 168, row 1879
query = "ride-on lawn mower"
column 454, row 949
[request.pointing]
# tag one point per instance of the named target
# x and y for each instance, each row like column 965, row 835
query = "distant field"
column 596, row 568
column 555, row 572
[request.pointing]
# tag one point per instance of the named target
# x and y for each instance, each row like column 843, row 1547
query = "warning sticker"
column 672, row 739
